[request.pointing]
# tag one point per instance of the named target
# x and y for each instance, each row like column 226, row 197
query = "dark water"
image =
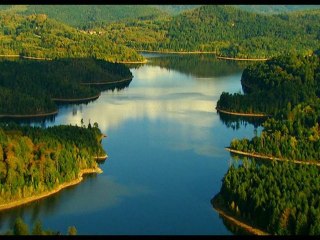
column 166, row 154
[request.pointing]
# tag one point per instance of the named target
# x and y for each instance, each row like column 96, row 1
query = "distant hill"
column 275, row 9
column 87, row 16
column 237, row 33
column 175, row 9
column 38, row 36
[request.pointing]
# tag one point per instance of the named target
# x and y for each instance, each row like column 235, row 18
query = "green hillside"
column 226, row 30
column 37, row 35
column 275, row 9
column 88, row 16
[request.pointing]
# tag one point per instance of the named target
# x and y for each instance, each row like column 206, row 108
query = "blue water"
column 166, row 156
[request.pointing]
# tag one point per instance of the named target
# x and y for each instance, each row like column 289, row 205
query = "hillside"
column 37, row 35
column 275, row 9
column 226, row 30
column 88, row 16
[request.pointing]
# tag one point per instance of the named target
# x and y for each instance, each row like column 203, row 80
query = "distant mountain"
column 274, row 9
column 88, row 16
column 175, row 9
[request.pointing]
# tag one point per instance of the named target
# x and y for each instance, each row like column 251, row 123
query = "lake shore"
column 176, row 52
column 129, row 62
column 235, row 220
column 243, row 114
column 106, row 83
column 74, row 100
column 242, row 59
column 48, row 193
column 28, row 115
column 256, row 155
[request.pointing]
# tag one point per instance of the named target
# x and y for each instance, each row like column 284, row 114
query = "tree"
column 72, row 230
column 20, row 227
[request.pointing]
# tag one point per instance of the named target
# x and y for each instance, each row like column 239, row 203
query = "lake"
column 165, row 143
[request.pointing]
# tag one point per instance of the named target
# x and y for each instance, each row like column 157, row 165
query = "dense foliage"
column 226, row 30
column 87, row 16
column 295, row 136
column 34, row 160
column 27, row 87
column 21, row 228
column 271, row 86
column 275, row 9
column 282, row 198
column 37, row 35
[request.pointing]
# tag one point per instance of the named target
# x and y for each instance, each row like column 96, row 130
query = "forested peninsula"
column 276, row 85
column 36, row 162
column 30, row 88
column 280, row 197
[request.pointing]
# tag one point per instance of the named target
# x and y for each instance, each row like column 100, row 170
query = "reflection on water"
column 85, row 200
column 166, row 154
column 234, row 122
column 199, row 66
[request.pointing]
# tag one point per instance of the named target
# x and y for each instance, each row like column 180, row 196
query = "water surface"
column 166, row 154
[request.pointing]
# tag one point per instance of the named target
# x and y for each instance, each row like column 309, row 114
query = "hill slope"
column 37, row 35
column 226, row 30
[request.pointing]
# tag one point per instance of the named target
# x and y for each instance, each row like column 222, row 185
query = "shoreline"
column 271, row 158
column 68, row 100
column 242, row 59
column 25, row 57
column 101, row 158
column 106, row 83
column 235, row 220
column 51, row 192
column 176, row 52
column 129, row 62
column 29, row 115
column 243, row 114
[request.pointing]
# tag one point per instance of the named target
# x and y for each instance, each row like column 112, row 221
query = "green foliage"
column 36, row 160
column 276, row 9
column 270, row 86
column 27, row 87
column 72, row 230
column 281, row 198
column 296, row 136
column 226, row 30
column 38, row 36
column 87, row 16
column 20, row 227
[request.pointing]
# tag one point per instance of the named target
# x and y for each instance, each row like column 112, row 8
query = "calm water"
column 166, row 154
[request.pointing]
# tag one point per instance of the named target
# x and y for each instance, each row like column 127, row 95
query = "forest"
column 224, row 30
column 295, row 137
column 278, row 197
column 116, row 33
column 281, row 198
column 34, row 160
column 38, row 36
column 29, row 86
column 279, row 83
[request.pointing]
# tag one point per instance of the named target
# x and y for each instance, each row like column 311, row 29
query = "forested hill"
column 29, row 87
column 87, row 16
column 276, row 9
column 236, row 33
column 227, row 30
column 37, row 35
